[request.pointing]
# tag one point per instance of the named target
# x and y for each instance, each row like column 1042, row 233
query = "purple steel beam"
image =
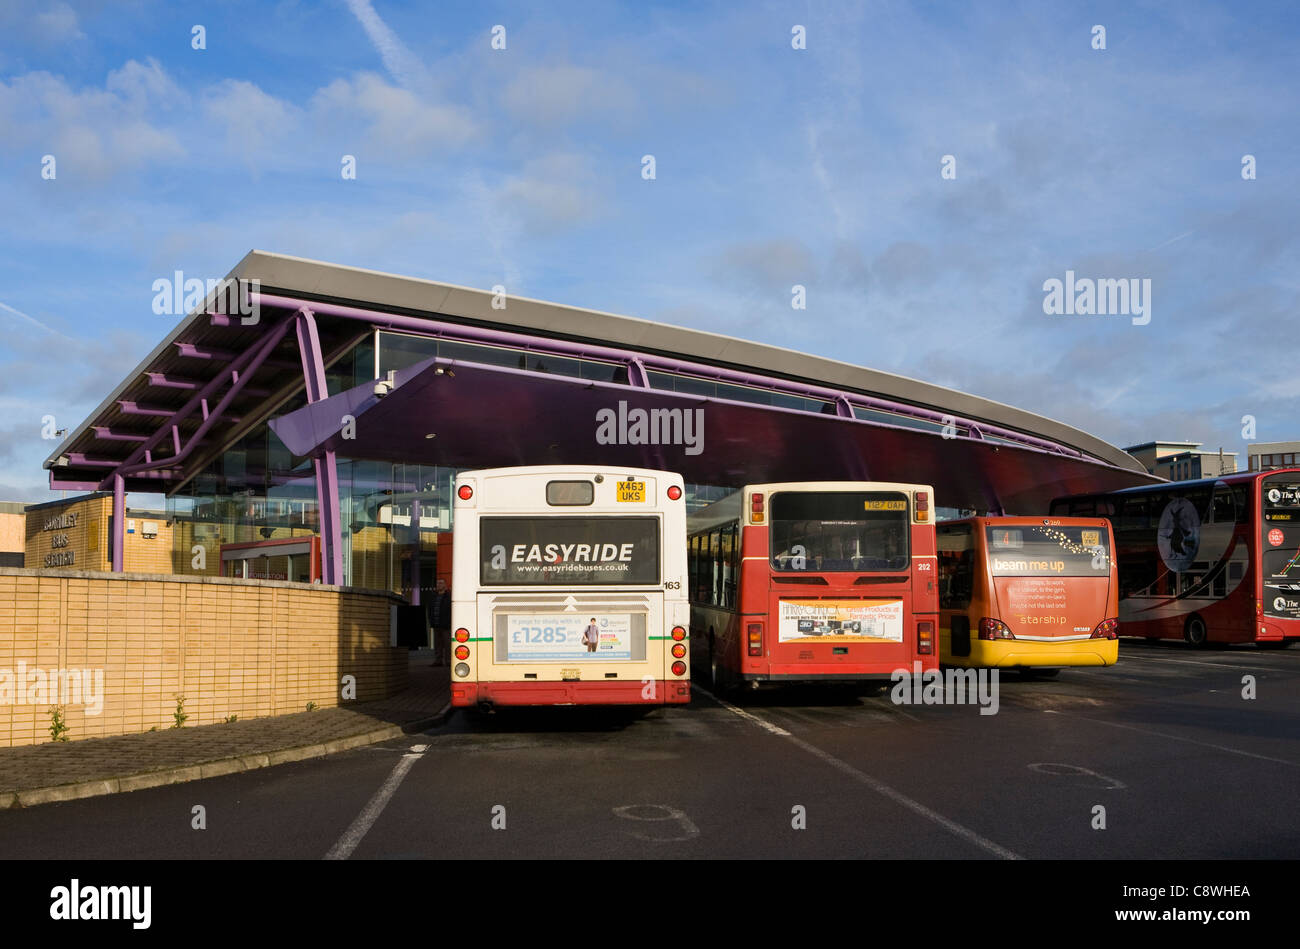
column 256, row 354
column 79, row 460
column 326, row 464
column 636, row 374
column 58, row 485
column 119, row 520
column 195, row 351
column 130, row 407
column 104, row 433
column 165, row 381
column 415, row 558
column 437, row 328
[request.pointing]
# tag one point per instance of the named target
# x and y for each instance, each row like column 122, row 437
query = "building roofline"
column 377, row 290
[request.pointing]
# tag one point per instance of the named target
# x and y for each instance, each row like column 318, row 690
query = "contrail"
column 1168, row 242
column 401, row 64
column 35, row 322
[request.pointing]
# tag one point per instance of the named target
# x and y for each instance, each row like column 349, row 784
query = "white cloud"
column 552, row 193
column 395, row 120
column 93, row 133
column 559, row 95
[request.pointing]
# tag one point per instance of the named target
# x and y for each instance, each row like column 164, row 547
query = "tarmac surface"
column 1160, row 756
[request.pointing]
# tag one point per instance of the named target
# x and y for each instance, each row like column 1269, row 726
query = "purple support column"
column 326, row 467
column 415, row 557
column 119, row 521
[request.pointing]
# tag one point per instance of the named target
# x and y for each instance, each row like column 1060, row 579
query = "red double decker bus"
column 814, row 581
column 1215, row 560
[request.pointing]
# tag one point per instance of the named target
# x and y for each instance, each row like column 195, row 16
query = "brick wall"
column 230, row 647
column 86, row 540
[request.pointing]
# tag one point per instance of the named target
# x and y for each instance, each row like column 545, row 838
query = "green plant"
column 230, row 718
column 179, row 714
column 154, row 728
column 312, row 706
column 58, row 727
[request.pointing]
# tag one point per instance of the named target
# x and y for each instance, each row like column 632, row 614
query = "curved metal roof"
column 180, row 394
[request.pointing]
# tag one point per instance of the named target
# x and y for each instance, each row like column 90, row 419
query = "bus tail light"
column 756, row 509
column 679, row 668
column 462, row 652
column 464, row 492
column 462, row 635
column 674, row 493
column 925, row 637
column 1107, row 629
column 462, row 669
column 679, row 650
column 922, row 506
column 755, row 636
column 679, row 633
column 994, row 629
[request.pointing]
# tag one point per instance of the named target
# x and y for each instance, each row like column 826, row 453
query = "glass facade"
column 239, row 514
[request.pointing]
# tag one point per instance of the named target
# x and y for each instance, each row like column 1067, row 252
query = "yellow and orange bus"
column 1027, row 592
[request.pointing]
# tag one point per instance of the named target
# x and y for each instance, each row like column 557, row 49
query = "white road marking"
column 1190, row 741
column 365, row 820
column 1219, row 665
column 1046, row 767
column 760, row 722
column 875, row 784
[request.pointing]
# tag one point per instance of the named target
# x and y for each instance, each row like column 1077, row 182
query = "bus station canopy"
column 768, row 414
column 460, row 414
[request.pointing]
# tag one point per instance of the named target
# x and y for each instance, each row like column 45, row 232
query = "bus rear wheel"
column 1196, row 633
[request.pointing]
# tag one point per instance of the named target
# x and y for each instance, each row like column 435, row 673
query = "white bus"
column 569, row 587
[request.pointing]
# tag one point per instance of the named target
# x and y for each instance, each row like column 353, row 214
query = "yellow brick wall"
column 241, row 647
column 13, row 533
column 88, row 541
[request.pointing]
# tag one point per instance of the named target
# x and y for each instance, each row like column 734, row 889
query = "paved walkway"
column 61, row 771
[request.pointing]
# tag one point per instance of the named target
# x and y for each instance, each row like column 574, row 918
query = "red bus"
column 814, row 581
column 1215, row 560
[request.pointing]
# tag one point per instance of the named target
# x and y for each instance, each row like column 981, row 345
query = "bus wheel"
column 1195, row 632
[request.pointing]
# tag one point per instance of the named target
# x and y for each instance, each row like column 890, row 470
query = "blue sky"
column 774, row 167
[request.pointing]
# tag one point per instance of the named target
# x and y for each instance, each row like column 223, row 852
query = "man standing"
column 440, row 622
column 591, row 635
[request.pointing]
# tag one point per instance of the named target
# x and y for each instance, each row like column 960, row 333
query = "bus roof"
column 609, row 471
column 1025, row 520
column 1234, row 478
column 728, row 509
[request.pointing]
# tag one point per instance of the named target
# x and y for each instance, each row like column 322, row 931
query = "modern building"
column 1267, row 455
column 1183, row 461
column 318, row 429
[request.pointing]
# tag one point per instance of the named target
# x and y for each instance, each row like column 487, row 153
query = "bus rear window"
column 568, row 551
column 839, row 531
column 1034, row 550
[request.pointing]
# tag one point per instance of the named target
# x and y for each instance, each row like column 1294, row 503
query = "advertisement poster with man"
column 563, row 637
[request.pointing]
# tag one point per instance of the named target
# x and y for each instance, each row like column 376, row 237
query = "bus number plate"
column 571, row 675
column 631, row 492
